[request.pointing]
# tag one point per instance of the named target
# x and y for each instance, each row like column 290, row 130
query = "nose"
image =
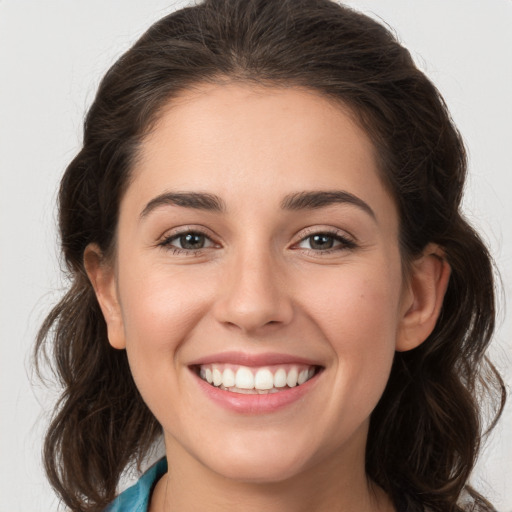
column 254, row 295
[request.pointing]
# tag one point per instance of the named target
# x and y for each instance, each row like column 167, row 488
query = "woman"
column 271, row 270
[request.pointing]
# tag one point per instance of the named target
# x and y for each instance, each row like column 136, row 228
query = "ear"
column 423, row 298
column 103, row 280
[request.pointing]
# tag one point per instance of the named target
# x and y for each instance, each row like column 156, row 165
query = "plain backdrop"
column 52, row 56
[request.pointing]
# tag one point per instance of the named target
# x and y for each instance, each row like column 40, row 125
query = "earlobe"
column 103, row 280
column 423, row 299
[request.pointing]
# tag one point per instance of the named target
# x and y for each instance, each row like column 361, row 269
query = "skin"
column 259, row 286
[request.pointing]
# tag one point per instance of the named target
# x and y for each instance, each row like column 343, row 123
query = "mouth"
column 251, row 380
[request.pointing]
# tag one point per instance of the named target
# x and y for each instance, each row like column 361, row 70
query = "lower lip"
column 256, row 404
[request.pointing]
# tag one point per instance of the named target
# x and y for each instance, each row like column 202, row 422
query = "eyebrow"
column 320, row 199
column 296, row 201
column 195, row 200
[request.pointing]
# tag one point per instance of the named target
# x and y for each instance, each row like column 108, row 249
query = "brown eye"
column 320, row 242
column 326, row 241
column 192, row 241
column 187, row 241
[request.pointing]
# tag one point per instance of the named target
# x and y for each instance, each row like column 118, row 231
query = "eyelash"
column 167, row 241
column 345, row 243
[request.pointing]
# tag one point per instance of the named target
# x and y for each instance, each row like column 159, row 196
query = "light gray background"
column 52, row 56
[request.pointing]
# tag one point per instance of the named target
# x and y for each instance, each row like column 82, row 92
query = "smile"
column 254, row 380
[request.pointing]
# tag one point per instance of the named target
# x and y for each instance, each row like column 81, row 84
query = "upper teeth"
column 247, row 378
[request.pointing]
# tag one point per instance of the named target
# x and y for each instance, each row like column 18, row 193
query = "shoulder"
column 136, row 498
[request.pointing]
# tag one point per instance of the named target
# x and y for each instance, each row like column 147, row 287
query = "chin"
column 261, row 471
column 263, row 462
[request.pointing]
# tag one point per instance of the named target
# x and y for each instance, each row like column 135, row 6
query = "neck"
column 340, row 484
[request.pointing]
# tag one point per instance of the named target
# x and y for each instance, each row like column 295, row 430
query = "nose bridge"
column 254, row 292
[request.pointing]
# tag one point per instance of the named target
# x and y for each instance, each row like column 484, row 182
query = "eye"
column 188, row 241
column 323, row 242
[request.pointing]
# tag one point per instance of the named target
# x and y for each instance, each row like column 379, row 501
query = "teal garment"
column 136, row 498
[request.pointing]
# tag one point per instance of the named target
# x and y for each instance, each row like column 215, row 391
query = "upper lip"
column 245, row 359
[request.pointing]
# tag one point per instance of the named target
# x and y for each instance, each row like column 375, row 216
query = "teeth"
column 228, row 378
column 291, row 379
column 244, row 378
column 303, row 377
column 264, row 379
column 280, row 378
column 248, row 380
column 217, row 377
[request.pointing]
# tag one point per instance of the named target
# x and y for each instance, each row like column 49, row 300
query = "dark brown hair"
column 425, row 432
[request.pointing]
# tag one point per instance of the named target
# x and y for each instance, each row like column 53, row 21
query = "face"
column 257, row 286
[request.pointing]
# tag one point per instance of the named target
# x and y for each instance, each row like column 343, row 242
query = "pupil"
column 192, row 241
column 321, row 242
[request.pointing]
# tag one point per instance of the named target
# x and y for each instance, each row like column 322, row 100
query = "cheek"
column 358, row 314
column 160, row 310
column 160, row 301
column 354, row 307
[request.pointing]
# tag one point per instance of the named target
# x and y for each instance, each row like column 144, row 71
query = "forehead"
column 233, row 138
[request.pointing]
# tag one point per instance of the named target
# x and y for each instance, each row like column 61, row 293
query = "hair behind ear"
column 93, row 374
column 430, row 411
